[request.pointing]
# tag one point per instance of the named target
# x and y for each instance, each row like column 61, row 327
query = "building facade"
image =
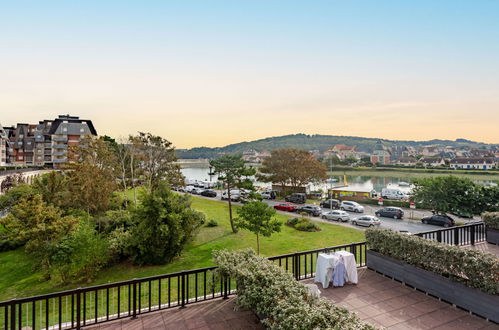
column 473, row 163
column 45, row 143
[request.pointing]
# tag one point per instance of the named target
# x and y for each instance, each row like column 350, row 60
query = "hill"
column 313, row 142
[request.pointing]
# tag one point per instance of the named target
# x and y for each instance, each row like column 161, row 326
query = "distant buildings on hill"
column 42, row 144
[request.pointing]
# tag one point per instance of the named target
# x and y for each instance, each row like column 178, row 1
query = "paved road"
column 412, row 226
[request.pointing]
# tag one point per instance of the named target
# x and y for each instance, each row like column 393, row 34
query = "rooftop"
column 376, row 299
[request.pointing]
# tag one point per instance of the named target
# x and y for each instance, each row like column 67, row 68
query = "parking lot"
column 405, row 224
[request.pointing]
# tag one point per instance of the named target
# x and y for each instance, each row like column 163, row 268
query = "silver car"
column 367, row 221
column 351, row 206
column 336, row 215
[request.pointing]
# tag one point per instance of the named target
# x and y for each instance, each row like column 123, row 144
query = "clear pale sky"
column 210, row 73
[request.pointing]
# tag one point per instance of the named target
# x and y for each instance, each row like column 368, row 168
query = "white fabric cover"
column 348, row 260
column 313, row 289
column 324, row 268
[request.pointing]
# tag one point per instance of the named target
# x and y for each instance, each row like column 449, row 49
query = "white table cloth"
column 348, row 260
column 324, row 268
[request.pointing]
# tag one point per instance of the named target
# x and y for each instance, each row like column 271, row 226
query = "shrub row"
column 279, row 300
column 491, row 219
column 303, row 224
column 473, row 268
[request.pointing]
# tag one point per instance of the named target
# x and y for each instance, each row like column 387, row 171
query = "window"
column 28, row 143
column 82, row 130
column 64, row 129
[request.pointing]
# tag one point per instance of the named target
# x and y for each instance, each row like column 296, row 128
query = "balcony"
column 60, row 153
column 60, row 160
column 60, row 138
column 59, row 146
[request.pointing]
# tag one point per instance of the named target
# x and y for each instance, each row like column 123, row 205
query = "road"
column 412, row 226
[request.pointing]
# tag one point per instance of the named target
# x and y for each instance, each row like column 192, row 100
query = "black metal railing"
column 459, row 235
column 102, row 303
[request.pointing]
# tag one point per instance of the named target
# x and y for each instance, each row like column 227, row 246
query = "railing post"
column 456, row 235
column 134, row 299
column 13, row 315
column 182, row 291
column 226, row 295
column 472, row 233
column 353, row 250
column 439, row 236
column 78, row 309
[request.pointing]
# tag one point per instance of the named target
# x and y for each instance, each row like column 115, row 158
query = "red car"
column 285, row 207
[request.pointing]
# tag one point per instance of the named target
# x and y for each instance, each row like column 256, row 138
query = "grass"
column 19, row 280
column 412, row 174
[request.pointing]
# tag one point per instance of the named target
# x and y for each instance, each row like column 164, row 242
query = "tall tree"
column 233, row 172
column 291, row 168
column 258, row 218
column 52, row 187
column 92, row 175
column 157, row 160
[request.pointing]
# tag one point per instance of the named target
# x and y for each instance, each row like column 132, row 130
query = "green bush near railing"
column 491, row 220
column 472, row 268
column 275, row 296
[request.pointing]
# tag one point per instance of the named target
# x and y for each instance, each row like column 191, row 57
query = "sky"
column 211, row 73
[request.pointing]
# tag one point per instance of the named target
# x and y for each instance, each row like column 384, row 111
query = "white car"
column 197, row 190
column 189, row 188
column 266, row 194
column 351, row 206
column 367, row 221
column 336, row 215
column 234, row 194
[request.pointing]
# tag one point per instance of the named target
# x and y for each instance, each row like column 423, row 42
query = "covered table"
column 324, row 268
column 348, row 260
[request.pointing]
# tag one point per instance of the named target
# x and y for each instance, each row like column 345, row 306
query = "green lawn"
column 18, row 280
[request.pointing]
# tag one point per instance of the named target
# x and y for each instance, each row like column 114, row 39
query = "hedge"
column 279, row 300
column 303, row 224
column 491, row 219
column 473, row 268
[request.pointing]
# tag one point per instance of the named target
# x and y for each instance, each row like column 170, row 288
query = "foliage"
column 163, row 224
column 14, row 194
column 292, row 167
column 52, row 187
column 80, row 255
column 303, row 224
column 91, row 176
column 114, row 219
column 156, row 160
column 473, row 268
column 451, row 194
column 491, row 219
column 258, row 217
column 283, row 302
column 11, row 181
column 233, row 172
column 212, row 223
column 39, row 225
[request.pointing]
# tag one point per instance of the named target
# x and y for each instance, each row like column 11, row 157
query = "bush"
column 303, row 224
column 491, row 220
column 212, row 223
column 473, row 268
column 274, row 295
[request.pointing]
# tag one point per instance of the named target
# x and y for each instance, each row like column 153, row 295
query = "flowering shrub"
column 491, row 219
column 473, row 268
column 277, row 298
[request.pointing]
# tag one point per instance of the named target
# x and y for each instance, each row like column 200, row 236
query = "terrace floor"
column 485, row 247
column 376, row 299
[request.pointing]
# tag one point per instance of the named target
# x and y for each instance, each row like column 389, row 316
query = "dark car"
column 310, row 210
column 209, row 193
column 390, row 212
column 439, row 220
column 331, row 204
column 298, row 198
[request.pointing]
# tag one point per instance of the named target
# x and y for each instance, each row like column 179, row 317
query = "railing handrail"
column 477, row 223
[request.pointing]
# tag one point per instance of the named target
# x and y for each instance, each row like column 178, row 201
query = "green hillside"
column 311, row 142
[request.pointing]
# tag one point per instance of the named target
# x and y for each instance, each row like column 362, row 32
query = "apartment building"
column 45, row 143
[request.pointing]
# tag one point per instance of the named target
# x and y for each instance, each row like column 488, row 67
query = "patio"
column 376, row 299
column 484, row 247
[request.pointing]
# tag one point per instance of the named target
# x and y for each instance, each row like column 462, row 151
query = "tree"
column 258, row 218
column 91, row 176
column 11, row 181
column 292, row 167
column 233, row 172
column 449, row 194
column 52, row 187
column 39, row 225
column 163, row 223
column 157, row 160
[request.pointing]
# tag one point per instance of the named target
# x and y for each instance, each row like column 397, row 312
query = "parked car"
column 310, row 210
column 390, row 212
column 392, row 193
column 351, row 206
column 331, row 204
column 336, row 215
column 285, row 207
column 367, row 221
column 197, row 190
column 234, row 194
column 209, row 193
column 298, row 198
column 189, row 188
column 439, row 220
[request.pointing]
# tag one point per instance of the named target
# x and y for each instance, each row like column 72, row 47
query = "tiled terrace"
column 376, row 299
